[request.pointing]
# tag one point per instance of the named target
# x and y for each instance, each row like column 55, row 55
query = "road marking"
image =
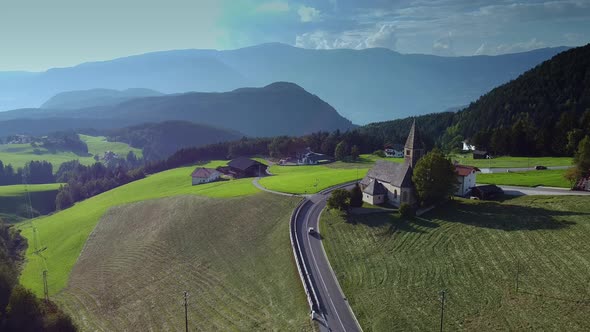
column 317, row 267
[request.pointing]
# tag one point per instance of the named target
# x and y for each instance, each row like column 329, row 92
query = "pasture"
column 19, row 154
column 511, row 162
column 547, row 178
column 65, row 232
column 392, row 269
column 232, row 255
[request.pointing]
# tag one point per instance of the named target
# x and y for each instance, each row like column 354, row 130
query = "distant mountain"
column 160, row 140
column 95, row 97
column 364, row 85
column 277, row 109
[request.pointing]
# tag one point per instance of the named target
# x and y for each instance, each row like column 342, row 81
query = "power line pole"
column 45, row 286
column 442, row 308
column 186, row 311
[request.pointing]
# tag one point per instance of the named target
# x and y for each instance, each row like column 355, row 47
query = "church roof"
column 414, row 140
column 396, row 174
column 375, row 188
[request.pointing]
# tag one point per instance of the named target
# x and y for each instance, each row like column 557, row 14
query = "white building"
column 466, row 176
column 468, row 147
column 395, row 151
column 204, row 175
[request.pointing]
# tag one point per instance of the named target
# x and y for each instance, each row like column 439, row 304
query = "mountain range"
column 95, row 97
column 363, row 85
column 279, row 108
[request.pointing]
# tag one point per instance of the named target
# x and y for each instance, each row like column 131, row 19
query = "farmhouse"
column 477, row 154
column 392, row 182
column 394, row 151
column 466, row 176
column 243, row 167
column 204, row 175
column 308, row 157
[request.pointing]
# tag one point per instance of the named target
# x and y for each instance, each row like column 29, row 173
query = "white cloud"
column 381, row 36
column 308, row 14
column 273, row 7
column 444, row 46
column 529, row 45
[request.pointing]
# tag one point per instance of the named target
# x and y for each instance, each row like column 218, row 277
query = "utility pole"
column 45, row 286
column 442, row 308
column 517, row 274
column 186, row 310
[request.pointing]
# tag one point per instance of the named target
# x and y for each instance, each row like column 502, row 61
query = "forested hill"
column 544, row 111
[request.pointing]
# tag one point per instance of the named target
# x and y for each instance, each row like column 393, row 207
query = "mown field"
column 14, row 203
column 232, row 255
column 548, row 178
column 19, row 154
column 65, row 232
column 511, row 162
column 392, row 270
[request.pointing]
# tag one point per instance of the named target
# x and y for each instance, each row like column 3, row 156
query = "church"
column 392, row 182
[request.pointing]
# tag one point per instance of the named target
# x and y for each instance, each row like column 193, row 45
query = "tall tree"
column 434, row 178
column 582, row 156
column 341, row 151
column 356, row 196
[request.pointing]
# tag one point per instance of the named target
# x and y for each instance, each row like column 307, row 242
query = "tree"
column 355, row 152
column 339, row 200
column 356, row 196
column 23, row 312
column 434, row 178
column 341, row 151
column 582, row 156
column 573, row 175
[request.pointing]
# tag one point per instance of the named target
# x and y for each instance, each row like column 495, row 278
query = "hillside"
column 13, row 201
column 392, row 270
column 235, row 263
column 540, row 112
column 160, row 140
column 95, row 97
column 364, row 85
column 19, row 154
column 277, row 109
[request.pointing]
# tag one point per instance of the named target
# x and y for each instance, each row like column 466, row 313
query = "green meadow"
column 547, row 178
column 511, row 162
column 392, row 270
column 65, row 232
column 19, row 154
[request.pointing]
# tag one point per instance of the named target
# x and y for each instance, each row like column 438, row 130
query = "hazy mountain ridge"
column 95, row 97
column 280, row 108
column 363, row 85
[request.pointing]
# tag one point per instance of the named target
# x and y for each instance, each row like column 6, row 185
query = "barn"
column 243, row 167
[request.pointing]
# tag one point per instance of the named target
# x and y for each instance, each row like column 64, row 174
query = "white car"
column 311, row 230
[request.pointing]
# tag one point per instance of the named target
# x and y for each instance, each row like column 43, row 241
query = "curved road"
column 334, row 313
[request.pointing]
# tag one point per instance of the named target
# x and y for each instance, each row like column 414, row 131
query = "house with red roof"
column 204, row 175
column 466, row 176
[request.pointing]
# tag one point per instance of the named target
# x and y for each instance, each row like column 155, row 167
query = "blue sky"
column 40, row 34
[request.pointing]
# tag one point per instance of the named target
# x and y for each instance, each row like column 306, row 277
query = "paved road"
column 334, row 308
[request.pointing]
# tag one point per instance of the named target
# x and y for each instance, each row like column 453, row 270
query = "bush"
column 379, row 153
column 406, row 210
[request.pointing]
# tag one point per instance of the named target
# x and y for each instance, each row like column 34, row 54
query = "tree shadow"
column 508, row 217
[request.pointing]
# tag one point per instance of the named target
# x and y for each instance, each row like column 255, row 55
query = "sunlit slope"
column 64, row 233
column 232, row 255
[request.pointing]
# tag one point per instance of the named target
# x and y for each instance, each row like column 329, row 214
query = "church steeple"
column 414, row 148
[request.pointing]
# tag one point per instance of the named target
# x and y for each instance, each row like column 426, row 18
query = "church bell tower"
column 414, row 148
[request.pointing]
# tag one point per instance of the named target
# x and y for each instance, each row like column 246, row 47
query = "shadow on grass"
column 508, row 217
column 391, row 223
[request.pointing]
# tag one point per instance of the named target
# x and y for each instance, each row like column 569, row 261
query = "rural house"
column 466, row 176
column 392, row 182
column 394, row 151
column 477, row 154
column 204, row 175
column 243, row 167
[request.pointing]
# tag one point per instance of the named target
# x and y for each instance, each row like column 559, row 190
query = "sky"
column 39, row 34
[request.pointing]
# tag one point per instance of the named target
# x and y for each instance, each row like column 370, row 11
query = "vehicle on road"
column 540, row 167
column 311, row 230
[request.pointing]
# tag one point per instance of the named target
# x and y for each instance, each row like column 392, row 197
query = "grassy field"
column 549, row 178
column 511, row 162
column 19, row 154
column 236, row 263
column 65, row 232
column 13, row 202
column 310, row 179
column 392, row 270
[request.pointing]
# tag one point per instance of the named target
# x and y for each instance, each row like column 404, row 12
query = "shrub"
column 339, row 200
column 406, row 210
